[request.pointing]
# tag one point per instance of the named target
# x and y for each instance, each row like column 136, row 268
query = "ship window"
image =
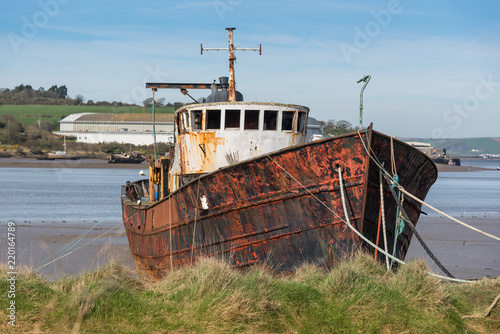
column 213, row 119
column 270, row 117
column 252, row 119
column 287, row 120
column 232, row 119
column 197, row 119
column 185, row 120
column 301, row 122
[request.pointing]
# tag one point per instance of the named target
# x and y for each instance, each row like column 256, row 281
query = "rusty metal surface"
column 257, row 213
column 157, row 85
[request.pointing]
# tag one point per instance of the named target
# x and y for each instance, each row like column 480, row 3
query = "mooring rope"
column 353, row 229
column 397, row 185
column 75, row 242
column 74, row 250
column 382, row 210
column 414, row 231
column 68, row 253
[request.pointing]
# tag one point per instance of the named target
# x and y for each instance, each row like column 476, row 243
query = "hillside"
column 463, row 146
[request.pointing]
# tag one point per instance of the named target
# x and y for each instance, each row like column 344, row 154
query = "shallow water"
column 62, row 194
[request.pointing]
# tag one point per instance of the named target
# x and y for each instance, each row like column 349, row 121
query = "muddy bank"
column 61, row 163
column 448, row 168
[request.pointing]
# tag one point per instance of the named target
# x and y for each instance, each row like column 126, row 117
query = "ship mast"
column 232, row 58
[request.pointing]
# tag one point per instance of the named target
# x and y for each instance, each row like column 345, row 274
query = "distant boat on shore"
column 126, row 158
column 61, row 155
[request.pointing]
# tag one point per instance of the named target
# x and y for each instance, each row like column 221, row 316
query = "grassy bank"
column 356, row 297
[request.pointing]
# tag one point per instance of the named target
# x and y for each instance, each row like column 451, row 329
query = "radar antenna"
column 232, row 58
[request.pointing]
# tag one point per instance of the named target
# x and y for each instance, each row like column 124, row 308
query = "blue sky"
column 435, row 65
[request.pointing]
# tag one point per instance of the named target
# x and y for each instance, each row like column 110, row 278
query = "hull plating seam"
column 231, row 207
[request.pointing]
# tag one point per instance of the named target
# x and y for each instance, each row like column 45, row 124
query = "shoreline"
column 451, row 168
column 62, row 163
column 103, row 164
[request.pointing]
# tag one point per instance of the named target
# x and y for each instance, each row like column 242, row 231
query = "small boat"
column 242, row 184
column 126, row 158
column 61, row 155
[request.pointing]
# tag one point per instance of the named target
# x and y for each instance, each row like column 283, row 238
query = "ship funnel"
column 224, row 82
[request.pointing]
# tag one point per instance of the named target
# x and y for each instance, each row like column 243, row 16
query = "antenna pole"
column 366, row 79
column 232, row 58
column 232, row 83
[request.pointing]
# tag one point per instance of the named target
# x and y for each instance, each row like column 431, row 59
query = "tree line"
column 336, row 128
column 58, row 95
column 55, row 95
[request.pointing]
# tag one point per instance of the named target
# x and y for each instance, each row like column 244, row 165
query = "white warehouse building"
column 137, row 129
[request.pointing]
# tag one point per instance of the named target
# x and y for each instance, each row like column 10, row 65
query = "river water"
column 468, row 194
column 62, row 194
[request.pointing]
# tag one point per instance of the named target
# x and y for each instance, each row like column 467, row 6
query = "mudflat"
column 61, row 163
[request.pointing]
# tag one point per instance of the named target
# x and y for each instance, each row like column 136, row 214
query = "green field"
column 29, row 114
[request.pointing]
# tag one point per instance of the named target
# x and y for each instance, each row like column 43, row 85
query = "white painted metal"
column 205, row 150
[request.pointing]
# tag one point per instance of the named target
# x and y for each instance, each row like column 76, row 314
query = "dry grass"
column 358, row 296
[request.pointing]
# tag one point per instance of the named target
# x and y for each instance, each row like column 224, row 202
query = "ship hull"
column 283, row 208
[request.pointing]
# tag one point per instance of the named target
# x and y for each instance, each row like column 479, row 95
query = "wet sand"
column 39, row 243
column 448, row 168
column 465, row 253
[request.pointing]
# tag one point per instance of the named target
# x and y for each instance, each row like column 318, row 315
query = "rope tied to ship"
column 76, row 241
column 398, row 223
column 347, row 222
column 382, row 214
column 401, row 188
column 81, row 237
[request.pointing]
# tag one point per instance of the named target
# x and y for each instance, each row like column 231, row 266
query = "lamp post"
column 366, row 79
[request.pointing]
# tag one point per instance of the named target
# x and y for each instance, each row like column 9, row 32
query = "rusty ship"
column 241, row 183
